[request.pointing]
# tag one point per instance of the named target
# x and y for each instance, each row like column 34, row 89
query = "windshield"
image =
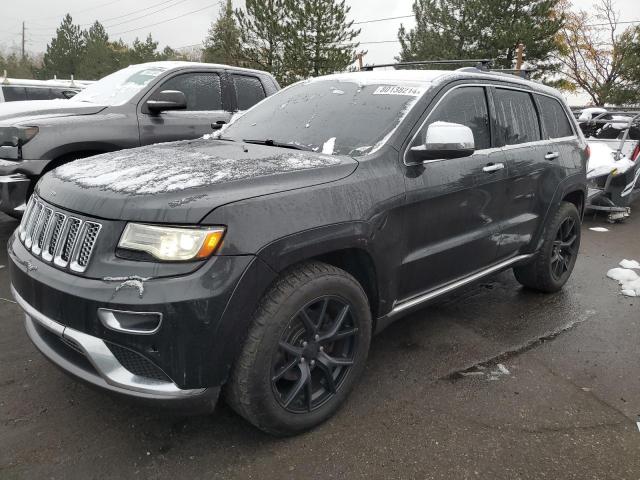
column 119, row 87
column 329, row 116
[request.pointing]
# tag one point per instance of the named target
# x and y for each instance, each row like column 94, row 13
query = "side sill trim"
column 408, row 304
column 105, row 363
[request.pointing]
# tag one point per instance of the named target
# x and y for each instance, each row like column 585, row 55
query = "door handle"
column 493, row 167
column 551, row 155
column 218, row 125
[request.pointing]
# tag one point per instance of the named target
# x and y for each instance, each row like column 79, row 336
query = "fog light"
column 141, row 323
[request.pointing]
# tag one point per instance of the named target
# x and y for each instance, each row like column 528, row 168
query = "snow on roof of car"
column 168, row 64
column 431, row 77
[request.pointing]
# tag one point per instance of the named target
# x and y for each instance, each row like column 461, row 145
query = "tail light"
column 636, row 152
column 587, row 151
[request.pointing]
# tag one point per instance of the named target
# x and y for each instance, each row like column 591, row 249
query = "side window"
column 249, row 91
column 466, row 106
column 14, row 94
column 201, row 89
column 555, row 121
column 516, row 117
column 38, row 93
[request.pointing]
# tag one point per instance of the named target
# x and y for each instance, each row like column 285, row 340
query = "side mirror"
column 445, row 140
column 167, row 100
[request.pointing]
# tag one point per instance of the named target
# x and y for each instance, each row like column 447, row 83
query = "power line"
column 135, row 11
column 146, row 14
column 381, row 19
column 165, row 21
column 81, row 11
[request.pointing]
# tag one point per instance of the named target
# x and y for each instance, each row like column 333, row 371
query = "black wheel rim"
column 316, row 351
column 564, row 248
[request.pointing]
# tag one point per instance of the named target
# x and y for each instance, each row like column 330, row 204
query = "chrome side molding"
column 405, row 305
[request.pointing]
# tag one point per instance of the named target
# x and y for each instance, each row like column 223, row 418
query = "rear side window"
column 516, row 117
column 39, row 93
column 201, row 89
column 249, row 91
column 554, row 119
column 14, row 94
column 466, row 106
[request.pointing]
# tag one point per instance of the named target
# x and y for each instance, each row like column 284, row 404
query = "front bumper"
column 204, row 315
column 89, row 359
column 13, row 193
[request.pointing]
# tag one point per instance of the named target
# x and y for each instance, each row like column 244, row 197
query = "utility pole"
column 359, row 57
column 519, row 56
column 23, row 40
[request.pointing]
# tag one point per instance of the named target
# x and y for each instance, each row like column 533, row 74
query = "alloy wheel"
column 315, row 354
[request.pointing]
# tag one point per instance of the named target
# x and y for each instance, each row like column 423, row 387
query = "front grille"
column 55, row 236
column 136, row 363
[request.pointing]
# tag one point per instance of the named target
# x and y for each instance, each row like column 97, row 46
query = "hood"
column 16, row 112
column 181, row 182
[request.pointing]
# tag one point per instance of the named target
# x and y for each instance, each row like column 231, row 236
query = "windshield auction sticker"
column 398, row 90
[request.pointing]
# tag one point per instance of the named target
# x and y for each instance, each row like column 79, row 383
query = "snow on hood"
column 602, row 161
column 179, row 166
column 15, row 112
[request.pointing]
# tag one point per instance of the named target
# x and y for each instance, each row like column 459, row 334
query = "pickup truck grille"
column 57, row 237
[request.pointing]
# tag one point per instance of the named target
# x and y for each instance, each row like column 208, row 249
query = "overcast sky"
column 41, row 18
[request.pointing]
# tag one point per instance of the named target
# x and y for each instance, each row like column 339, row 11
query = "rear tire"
column 553, row 264
column 305, row 350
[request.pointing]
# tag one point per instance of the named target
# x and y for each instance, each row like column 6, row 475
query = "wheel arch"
column 346, row 246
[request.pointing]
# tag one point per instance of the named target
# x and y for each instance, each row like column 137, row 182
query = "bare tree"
column 593, row 50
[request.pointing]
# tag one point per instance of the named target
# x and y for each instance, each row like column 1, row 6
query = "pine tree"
column 482, row 29
column 222, row 44
column 262, row 33
column 99, row 58
column 142, row 52
column 319, row 39
column 65, row 52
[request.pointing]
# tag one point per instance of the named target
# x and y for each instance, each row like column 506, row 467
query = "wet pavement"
column 492, row 382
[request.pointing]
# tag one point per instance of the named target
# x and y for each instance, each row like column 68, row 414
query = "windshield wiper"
column 274, row 143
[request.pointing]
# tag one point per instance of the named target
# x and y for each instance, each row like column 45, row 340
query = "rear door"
column 453, row 206
column 530, row 161
column 205, row 110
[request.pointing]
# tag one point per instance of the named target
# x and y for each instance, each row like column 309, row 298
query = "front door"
column 204, row 113
column 454, row 206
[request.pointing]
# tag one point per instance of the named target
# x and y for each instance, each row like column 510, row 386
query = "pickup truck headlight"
column 172, row 243
column 14, row 136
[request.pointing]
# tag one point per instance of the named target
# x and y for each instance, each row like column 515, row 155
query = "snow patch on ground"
column 599, row 229
column 337, row 91
column 489, row 375
column 628, row 279
column 629, row 263
column 328, row 146
column 179, row 166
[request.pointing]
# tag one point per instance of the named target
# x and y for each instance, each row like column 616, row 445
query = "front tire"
column 305, row 350
column 553, row 264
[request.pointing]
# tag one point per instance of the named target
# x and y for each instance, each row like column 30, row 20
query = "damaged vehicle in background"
column 138, row 105
column 259, row 263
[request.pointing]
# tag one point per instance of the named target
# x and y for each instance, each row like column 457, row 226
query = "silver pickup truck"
column 138, row 105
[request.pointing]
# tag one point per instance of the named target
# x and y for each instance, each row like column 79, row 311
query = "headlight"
column 14, row 136
column 172, row 243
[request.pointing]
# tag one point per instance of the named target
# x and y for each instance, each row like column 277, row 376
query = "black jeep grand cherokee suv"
column 260, row 263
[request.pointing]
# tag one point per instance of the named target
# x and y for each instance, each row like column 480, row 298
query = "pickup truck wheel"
column 305, row 350
column 552, row 266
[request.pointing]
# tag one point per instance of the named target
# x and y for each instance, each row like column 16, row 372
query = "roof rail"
column 523, row 72
column 481, row 64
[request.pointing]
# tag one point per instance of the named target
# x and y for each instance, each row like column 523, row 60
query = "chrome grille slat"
column 41, row 230
column 33, row 223
column 66, row 240
column 49, row 249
